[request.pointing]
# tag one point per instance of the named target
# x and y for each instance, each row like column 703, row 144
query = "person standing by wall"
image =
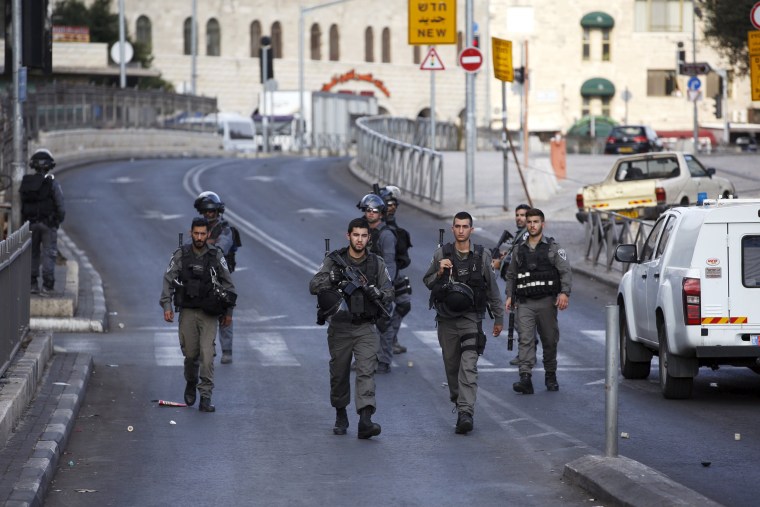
column 463, row 287
column 42, row 205
column 539, row 280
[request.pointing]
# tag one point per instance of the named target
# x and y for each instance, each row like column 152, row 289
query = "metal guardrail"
column 388, row 151
column 605, row 230
column 15, row 269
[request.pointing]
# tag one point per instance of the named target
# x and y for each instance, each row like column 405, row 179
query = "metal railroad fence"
column 604, row 230
column 417, row 171
column 15, row 269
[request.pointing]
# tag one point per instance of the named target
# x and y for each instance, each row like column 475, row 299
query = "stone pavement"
column 618, row 480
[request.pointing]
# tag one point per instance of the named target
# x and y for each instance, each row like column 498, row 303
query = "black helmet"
column 458, row 298
column 371, row 201
column 208, row 201
column 329, row 302
column 42, row 160
column 390, row 193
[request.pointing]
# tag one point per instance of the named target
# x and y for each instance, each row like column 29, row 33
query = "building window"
column 606, row 106
column 606, row 53
column 316, row 42
column 416, row 55
column 586, row 107
column 369, row 48
column 188, row 35
column 276, row 40
column 213, row 38
column 386, row 54
column 255, row 39
column 663, row 15
column 662, row 83
column 334, row 44
column 586, row 44
column 144, row 35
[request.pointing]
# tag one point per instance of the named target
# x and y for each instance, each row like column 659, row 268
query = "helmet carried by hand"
column 458, row 298
column 329, row 301
column 371, row 201
column 42, row 160
column 208, row 201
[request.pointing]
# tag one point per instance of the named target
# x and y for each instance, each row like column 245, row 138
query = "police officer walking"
column 198, row 279
column 383, row 244
column 351, row 286
column 539, row 279
column 462, row 286
column 42, row 206
column 403, row 290
column 209, row 205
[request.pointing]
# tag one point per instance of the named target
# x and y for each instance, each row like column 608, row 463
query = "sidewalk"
column 618, row 480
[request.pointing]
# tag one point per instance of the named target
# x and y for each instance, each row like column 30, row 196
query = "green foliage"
column 726, row 25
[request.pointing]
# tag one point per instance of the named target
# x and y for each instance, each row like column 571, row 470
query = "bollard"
column 611, row 382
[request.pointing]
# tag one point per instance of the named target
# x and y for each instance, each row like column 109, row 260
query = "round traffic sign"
column 754, row 15
column 694, row 83
column 471, row 59
column 129, row 52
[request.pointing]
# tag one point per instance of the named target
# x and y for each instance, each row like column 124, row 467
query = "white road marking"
column 157, row 215
column 319, row 213
column 166, row 349
column 272, row 349
column 430, row 338
column 598, row 335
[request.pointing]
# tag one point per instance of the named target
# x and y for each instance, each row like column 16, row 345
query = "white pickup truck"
column 645, row 185
column 691, row 294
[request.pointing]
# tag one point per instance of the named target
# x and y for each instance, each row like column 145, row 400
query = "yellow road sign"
column 753, row 42
column 432, row 22
column 502, row 59
column 754, row 69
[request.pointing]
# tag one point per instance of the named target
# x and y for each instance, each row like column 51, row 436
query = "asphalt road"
column 270, row 441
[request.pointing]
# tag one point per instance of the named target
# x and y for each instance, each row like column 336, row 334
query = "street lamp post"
column 193, row 46
column 694, row 59
column 301, row 28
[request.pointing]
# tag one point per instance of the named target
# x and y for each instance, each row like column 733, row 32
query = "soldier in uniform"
column 191, row 277
column 383, row 244
column 462, row 286
column 42, row 207
column 538, row 284
column 209, row 205
column 352, row 308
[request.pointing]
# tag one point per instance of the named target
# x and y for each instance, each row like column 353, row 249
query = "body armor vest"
column 196, row 278
column 37, row 202
column 359, row 305
column 468, row 271
column 536, row 275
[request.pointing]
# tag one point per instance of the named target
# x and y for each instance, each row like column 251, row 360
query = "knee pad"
column 403, row 308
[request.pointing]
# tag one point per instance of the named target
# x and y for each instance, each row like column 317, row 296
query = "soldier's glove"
column 373, row 293
column 336, row 276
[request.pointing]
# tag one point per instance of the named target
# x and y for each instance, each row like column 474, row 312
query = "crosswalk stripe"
column 166, row 349
column 272, row 349
column 430, row 338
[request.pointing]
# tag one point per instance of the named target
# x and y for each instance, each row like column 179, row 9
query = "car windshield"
column 647, row 169
column 627, row 131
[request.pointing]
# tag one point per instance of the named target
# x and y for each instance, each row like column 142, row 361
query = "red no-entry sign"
column 754, row 15
column 471, row 59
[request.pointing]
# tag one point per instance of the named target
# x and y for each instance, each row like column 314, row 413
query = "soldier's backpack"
column 236, row 243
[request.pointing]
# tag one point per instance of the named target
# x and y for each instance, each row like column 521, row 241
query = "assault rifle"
column 511, row 331
column 178, row 287
column 355, row 279
column 505, row 236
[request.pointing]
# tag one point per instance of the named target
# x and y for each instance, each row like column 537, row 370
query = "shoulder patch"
column 561, row 252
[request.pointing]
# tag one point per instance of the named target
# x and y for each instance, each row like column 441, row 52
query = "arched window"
column 417, row 55
column 386, row 49
column 187, row 36
column 334, row 44
column 255, row 39
column 144, row 35
column 276, row 35
column 213, row 38
column 316, row 42
column 369, row 47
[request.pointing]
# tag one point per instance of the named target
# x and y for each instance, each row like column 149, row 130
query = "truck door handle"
column 643, row 277
column 657, row 276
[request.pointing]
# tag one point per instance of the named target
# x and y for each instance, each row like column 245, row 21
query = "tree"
column 726, row 25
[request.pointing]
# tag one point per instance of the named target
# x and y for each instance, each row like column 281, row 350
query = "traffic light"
column 476, row 40
column 265, row 55
column 519, row 75
column 718, row 105
column 36, row 36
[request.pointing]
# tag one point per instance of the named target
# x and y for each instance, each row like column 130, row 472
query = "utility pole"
column 526, row 88
column 193, row 47
column 470, row 134
column 18, row 118
column 694, row 60
column 122, row 51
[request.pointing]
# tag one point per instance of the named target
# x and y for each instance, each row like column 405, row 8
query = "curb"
column 623, row 481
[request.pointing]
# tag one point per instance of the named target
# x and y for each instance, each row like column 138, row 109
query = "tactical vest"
column 536, row 275
column 359, row 305
column 196, row 279
column 468, row 271
column 37, row 203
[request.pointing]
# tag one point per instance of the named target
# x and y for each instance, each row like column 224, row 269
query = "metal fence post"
column 611, row 382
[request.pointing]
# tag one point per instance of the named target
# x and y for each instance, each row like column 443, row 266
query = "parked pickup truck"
column 645, row 185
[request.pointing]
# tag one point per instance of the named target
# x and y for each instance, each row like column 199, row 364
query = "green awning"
column 598, row 87
column 597, row 19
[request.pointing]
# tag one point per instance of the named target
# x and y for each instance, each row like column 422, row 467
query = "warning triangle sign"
column 432, row 61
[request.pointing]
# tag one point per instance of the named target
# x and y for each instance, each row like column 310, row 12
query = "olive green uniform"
column 460, row 332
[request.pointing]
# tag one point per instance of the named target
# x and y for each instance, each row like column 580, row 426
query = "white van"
column 237, row 132
column 691, row 294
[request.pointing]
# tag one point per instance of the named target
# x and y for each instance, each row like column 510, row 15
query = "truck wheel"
column 630, row 369
column 673, row 388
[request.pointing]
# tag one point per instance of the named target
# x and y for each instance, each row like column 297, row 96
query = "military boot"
column 205, row 405
column 551, row 381
column 524, row 386
column 341, row 421
column 464, row 423
column 367, row 428
column 190, row 393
